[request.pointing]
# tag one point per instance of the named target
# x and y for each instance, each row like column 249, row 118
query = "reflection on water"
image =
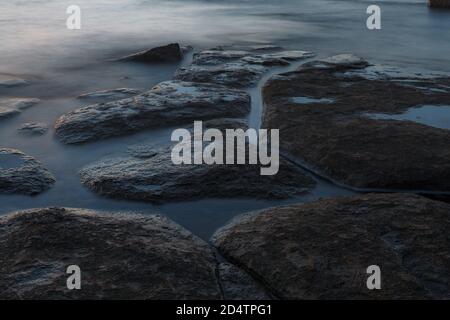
column 61, row 64
column 434, row 116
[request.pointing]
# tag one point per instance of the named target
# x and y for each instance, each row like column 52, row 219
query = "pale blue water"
column 62, row 64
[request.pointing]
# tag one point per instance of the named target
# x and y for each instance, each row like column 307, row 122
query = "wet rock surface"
column 238, row 285
column 322, row 249
column 110, row 94
column 33, row 128
column 149, row 175
column 164, row 54
column 22, row 174
column 331, row 133
column 168, row 103
column 13, row 106
column 121, row 256
column 235, row 68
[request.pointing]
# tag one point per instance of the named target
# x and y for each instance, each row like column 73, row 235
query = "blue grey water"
column 62, row 64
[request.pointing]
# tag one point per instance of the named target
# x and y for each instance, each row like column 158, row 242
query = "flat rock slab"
column 121, row 256
column 168, row 103
column 33, row 128
column 13, row 106
column 110, row 94
column 322, row 249
column 148, row 174
column 322, row 113
column 235, row 68
column 22, row 174
column 164, row 54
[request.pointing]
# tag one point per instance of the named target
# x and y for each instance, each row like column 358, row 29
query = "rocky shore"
column 328, row 113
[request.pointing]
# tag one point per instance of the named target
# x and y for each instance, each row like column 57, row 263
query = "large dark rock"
column 164, row 54
column 168, row 103
column 22, row 174
column 121, row 256
column 322, row 249
column 322, row 112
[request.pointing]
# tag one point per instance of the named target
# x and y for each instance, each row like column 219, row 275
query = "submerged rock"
column 151, row 176
column 321, row 110
column 322, row 249
column 238, row 285
column 110, row 95
column 121, row 256
column 7, row 80
column 22, row 174
column 168, row 103
column 169, row 53
column 33, row 128
column 235, row 68
column 14, row 106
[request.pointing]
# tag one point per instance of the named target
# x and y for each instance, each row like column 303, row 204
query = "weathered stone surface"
column 13, row 106
column 7, row 80
column 322, row 249
column 22, row 174
column 321, row 111
column 33, row 128
column 154, row 178
column 168, row 103
column 164, row 54
column 110, row 95
column 235, row 68
column 238, row 285
column 148, row 174
column 121, row 256
column 233, row 74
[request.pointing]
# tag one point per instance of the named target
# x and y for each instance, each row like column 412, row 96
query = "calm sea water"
column 62, row 63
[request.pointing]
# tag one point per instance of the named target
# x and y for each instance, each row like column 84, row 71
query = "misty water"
column 62, row 64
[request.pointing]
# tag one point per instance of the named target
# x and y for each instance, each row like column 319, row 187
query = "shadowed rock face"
column 168, row 103
column 164, row 54
column 149, row 175
column 121, row 256
column 321, row 250
column 22, row 174
column 332, row 134
column 235, row 68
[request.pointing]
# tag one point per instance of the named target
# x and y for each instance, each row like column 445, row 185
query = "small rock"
column 22, row 174
column 7, row 80
column 165, row 54
column 121, row 256
column 33, row 128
